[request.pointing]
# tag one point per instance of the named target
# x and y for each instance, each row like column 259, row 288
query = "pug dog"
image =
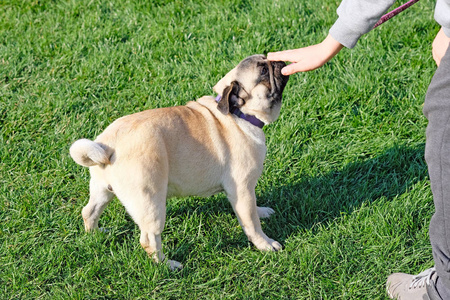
column 212, row 145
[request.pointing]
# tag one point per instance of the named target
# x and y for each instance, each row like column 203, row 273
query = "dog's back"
column 181, row 142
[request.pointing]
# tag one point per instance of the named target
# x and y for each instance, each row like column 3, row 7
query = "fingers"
column 289, row 56
column 301, row 66
column 280, row 56
column 303, row 59
column 284, row 56
column 290, row 69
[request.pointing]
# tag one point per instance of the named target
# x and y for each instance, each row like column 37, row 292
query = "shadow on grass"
column 320, row 199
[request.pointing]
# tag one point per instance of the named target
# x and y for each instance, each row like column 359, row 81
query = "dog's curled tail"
column 88, row 153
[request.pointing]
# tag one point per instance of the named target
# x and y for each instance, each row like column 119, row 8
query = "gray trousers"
column 437, row 156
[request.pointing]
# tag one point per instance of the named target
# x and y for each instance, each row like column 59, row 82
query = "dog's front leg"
column 264, row 212
column 244, row 205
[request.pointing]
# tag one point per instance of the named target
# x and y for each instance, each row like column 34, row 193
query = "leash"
column 395, row 12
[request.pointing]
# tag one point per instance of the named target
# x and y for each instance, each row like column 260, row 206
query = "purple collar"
column 252, row 119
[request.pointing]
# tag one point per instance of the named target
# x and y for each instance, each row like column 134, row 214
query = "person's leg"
column 437, row 155
column 434, row 282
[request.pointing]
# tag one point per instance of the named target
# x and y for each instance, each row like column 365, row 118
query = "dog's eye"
column 264, row 70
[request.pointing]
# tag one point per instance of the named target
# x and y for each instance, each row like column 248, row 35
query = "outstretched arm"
column 307, row 58
column 356, row 17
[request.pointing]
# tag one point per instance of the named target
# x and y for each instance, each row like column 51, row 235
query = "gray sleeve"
column 442, row 15
column 357, row 17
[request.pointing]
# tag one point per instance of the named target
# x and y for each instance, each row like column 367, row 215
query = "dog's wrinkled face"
column 255, row 86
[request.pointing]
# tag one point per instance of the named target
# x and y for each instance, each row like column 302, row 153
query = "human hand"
column 440, row 45
column 307, row 58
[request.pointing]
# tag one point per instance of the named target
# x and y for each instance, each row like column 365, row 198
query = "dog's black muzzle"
column 278, row 80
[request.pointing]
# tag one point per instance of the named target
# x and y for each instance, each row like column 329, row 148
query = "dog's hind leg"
column 151, row 242
column 151, row 222
column 151, row 218
column 99, row 198
column 147, row 207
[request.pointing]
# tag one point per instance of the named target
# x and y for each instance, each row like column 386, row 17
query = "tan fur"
column 182, row 151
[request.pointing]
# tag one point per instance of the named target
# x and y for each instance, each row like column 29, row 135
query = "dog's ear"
column 225, row 81
column 230, row 98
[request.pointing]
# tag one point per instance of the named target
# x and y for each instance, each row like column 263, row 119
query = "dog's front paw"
column 276, row 246
column 174, row 265
column 268, row 245
column 264, row 212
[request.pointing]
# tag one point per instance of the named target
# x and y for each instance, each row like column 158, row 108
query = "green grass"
column 344, row 172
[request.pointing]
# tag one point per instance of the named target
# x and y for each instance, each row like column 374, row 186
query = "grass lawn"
column 345, row 169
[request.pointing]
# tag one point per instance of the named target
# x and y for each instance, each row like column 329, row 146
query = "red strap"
column 395, row 12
